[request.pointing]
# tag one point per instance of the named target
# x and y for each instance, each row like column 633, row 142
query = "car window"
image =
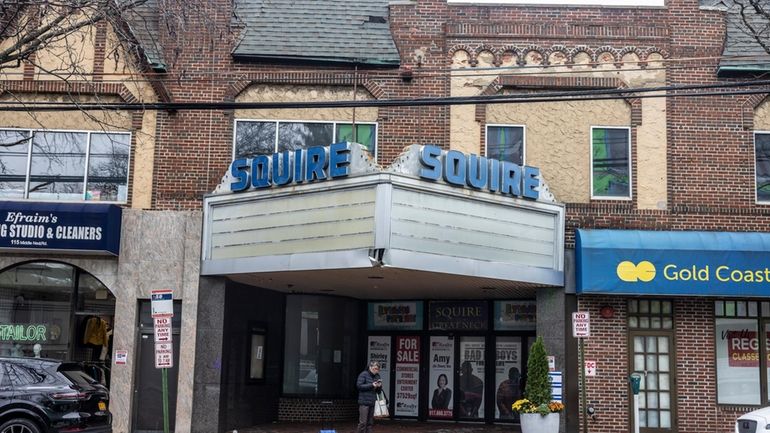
column 78, row 377
column 4, row 379
column 21, row 376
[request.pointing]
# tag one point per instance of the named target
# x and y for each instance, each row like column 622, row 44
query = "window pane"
column 611, row 165
column 365, row 134
column 767, row 347
column 303, row 135
column 506, row 143
column 318, row 354
column 254, row 138
column 37, row 297
column 108, row 167
column 13, row 162
column 762, row 163
column 737, row 361
column 665, row 419
column 58, row 165
column 719, row 308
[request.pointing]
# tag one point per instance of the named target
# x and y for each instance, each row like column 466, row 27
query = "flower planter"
column 536, row 423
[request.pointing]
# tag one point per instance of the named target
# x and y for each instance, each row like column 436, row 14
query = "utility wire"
column 576, row 96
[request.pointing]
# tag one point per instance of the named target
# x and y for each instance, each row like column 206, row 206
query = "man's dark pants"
column 365, row 419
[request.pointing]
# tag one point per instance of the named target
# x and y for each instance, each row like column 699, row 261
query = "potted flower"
column 538, row 413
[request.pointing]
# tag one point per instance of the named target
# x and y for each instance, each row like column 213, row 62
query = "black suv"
column 49, row 396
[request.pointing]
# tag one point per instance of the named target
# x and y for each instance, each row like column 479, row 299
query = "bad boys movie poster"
column 470, row 393
column 441, row 386
column 407, row 375
column 379, row 350
column 508, row 378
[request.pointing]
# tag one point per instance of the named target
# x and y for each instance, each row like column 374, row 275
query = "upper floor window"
column 64, row 165
column 762, row 166
column 254, row 137
column 505, row 143
column 610, row 163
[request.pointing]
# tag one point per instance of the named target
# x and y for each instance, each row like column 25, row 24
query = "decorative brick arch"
column 306, row 78
column 575, row 83
column 748, row 108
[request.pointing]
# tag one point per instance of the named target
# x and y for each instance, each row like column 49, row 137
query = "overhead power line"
column 695, row 90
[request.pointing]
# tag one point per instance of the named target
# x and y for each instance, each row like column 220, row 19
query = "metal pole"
column 355, row 91
column 583, row 406
column 636, row 413
column 164, row 377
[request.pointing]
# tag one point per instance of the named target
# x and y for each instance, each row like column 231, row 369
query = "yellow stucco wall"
column 558, row 134
column 288, row 93
column 762, row 116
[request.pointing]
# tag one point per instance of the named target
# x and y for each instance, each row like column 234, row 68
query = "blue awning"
column 49, row 227
column 676, row 263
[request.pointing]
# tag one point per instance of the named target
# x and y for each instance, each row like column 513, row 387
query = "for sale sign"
column 581, row 324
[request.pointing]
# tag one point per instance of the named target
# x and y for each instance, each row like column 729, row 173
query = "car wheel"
column 19, row 425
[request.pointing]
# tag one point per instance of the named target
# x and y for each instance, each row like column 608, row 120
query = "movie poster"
column 470, row 390
column 508, row 378
column 379, row 350
column 440, row 398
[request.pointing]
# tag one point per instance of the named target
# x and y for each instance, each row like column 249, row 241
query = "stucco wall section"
column 651, row 178
column 557, row 139
column 72, row 120
column 464, row 131
column 285, row 93
column 557, row 135
column 762, row 116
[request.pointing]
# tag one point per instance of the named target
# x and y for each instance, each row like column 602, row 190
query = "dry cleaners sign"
column 317, row 164
column 60, row 226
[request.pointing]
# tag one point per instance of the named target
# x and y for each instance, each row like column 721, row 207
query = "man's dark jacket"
column 365, row 385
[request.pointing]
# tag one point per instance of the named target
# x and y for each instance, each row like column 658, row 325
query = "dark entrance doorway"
column 148, row 403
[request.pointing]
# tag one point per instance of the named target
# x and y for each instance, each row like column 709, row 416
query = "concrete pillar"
column 206, row 416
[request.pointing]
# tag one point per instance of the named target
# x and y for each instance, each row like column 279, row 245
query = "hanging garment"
column 96, row 332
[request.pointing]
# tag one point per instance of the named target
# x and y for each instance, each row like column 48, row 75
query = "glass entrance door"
column 651, row 343
column 470, row 390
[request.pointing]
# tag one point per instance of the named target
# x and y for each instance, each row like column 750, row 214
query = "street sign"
column 162, row 329
column 164, row 355
column 162, row 302
column 581, row 324
column 590, row 367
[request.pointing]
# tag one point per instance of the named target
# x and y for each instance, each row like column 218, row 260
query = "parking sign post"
column 581, row 328
column 162, row 307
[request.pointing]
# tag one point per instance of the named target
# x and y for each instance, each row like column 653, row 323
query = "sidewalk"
column 387, row 427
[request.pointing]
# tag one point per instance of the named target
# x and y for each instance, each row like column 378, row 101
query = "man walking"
column 368, row 384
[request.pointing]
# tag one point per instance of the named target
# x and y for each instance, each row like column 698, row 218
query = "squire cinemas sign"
column 316, row 164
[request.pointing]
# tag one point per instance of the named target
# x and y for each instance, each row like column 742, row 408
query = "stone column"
column 206, row 416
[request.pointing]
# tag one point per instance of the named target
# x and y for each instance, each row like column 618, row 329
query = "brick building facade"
column 690, row 165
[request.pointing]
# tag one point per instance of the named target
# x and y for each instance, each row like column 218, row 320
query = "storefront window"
column 320, row 336
column 64, row 165
column 740, row 354
column 54, row 310
column 255, row 137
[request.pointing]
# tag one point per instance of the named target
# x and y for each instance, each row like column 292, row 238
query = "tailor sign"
column 316, row 164
column 673, row 263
